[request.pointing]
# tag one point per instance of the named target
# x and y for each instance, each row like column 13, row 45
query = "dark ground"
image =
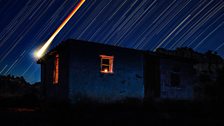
column 126, row 113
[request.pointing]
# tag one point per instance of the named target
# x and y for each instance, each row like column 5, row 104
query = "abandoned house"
column 78, row 70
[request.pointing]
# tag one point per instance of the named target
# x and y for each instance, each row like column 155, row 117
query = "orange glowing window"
column 56, row 69
column 106, row 64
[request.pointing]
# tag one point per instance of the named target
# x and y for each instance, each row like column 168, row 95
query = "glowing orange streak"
column 40, row 52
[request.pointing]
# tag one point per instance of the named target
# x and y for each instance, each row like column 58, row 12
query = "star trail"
column 39, row 53
column 138, row 24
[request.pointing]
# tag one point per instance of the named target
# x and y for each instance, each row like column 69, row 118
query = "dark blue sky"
column 140, row 24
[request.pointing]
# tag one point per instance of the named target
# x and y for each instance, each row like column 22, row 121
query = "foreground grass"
column 125, row 113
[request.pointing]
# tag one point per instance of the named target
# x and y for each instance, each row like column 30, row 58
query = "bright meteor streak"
column 38, row 54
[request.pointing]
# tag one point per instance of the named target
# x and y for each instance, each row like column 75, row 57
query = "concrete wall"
column 86, row 82
column 185, row 90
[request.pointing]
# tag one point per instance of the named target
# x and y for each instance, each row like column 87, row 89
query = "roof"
column 75, row 42
column 180, row 54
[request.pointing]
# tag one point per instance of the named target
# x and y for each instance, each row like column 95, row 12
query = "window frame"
column 175, row 72
column 109, row 65
column 56, row 70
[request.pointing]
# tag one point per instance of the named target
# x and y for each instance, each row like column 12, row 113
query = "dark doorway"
column 152, row 77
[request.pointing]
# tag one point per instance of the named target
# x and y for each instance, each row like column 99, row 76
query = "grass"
column 127, row 112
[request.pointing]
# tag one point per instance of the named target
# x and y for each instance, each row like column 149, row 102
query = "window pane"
column 176, row 69
column 106, row 64
column 106, row 61
column 175, row 80
column 105, row 68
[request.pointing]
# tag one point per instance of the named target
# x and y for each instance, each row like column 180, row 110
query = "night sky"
column 25, row 25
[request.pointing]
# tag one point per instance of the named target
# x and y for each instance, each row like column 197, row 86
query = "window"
column 56, row 69
column 175, row 77
column 175, row 80
column 106, row 64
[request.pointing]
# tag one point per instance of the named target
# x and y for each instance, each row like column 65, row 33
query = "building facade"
column 79, row 70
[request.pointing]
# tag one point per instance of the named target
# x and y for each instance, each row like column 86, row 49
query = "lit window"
column 106, row 64
column 56, row 69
